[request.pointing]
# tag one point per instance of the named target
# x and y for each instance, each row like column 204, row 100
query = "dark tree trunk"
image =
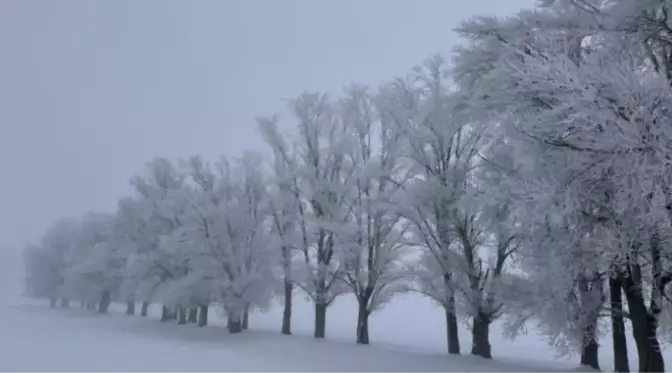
column 181, row 315
column 320, row 320
column 648, row 348
column 589, row 356
column 193, row 315
column 452, row 335
column 246, row 318
column 165, row 314
column 591, row 295
column 172, row 313
column 234, row 323
column 287, row 312
column 144, row 309
column 480, row 333
column 235, row 326
column 654, row 361
column 104, row 301
column 65, row 303
column 363, row 323
column 52, row 302
column 451, row 329
column 621, row 363
column 203, row 315
column 590, row 347
column 130, row 307
column 644, row 328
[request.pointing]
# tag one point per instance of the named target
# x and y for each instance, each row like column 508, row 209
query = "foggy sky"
column 91, row 90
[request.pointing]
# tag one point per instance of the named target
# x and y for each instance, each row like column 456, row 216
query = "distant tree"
column 58, row 242
column 42, row 273
column 97, row 266
column 230, row 228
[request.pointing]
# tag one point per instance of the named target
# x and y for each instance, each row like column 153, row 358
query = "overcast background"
column 91, row 90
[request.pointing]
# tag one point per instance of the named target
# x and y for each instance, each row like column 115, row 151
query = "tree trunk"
column 452, row 335
column 363, row 323
column 52, row 302
column 193, row 315
column 91, row 306
column 181, row 315
column 621, row 363
column 82, row 305
column 287, row 312
column 451, row 329
column 591, row 296
column 65, row 303
column 104, row 301
column 644, row 328
column 589, row 357
column 653, row 361
column 130, row 307
column 144, row 309
column 246, row 318
column 165, row 314
column 648, row 348
column 234, row 323
column 480, row 333
column 320, row 320
column 203, row 315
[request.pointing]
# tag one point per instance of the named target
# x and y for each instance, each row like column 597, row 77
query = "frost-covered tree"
column 462, row 218
column 163, row 259
column 584, row 89
column 43, row 274
column 134, row 237
column 177, row 249
column 317, row 162
column 229, row 229
column 97, row 264
column 562, row 290
column 58, row 243
column 371, row 243
column 487, row 229
column 285, row 208
column 203, row 178
column 440, row 149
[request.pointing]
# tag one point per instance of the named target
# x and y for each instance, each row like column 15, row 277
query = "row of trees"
column 527, row 181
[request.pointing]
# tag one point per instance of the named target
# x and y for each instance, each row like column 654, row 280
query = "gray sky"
column 90, row 90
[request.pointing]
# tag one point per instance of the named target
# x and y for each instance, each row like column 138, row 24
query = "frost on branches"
column 371, row 243
column 134, row 238
column 285, row 210
column 230, row 233
column 335, row 184
column 56, row 256
column 465, row 233
column 317, row 188
column 97, row 264
column 583, row 88
column 43, row 273
column 163, row 260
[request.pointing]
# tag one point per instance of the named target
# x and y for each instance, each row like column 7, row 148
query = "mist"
column 93, row 89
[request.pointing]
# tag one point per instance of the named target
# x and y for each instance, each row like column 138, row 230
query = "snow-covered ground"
column 406, row 336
